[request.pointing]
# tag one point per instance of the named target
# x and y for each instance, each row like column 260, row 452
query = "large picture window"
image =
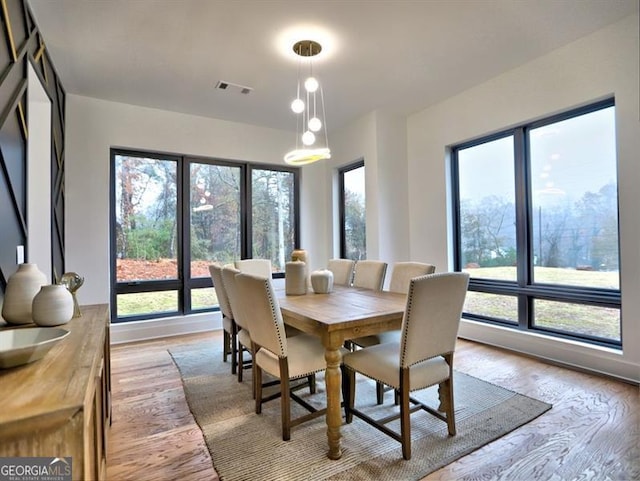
column 172, row 216
column 536, row 226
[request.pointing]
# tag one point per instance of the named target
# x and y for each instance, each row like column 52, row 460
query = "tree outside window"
column 353, row 241
column 537, row 223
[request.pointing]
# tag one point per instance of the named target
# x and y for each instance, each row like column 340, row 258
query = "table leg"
column 333, row 380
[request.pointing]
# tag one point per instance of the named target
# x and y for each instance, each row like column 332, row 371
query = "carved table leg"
column 333, row 379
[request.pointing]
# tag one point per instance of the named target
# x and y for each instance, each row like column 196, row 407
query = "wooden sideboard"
column 60, row 405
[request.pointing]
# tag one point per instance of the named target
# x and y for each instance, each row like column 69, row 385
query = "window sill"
column 575, row 354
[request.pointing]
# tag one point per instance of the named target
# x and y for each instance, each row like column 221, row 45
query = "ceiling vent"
column 231, row 87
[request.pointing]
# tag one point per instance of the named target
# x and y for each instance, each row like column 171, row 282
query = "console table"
column 60, row 405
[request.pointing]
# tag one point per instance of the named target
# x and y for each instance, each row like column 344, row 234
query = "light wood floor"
column 590, row 434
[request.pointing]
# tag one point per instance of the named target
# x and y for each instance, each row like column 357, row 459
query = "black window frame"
column 524, row 287
column 341, row 206
column 183, row 284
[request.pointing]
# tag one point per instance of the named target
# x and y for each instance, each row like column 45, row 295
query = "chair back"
column 265, row 323
column 342, row 270
column 221, row 293
column 403, row 272
column 369, row 274
column 229, row 281
column 256, row 267
column 432, row 317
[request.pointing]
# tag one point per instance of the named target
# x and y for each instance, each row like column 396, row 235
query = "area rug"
column 247, row 446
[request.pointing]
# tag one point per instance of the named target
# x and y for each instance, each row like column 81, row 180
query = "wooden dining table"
column 345, row 313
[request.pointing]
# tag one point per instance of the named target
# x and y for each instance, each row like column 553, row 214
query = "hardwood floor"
column 590, row 434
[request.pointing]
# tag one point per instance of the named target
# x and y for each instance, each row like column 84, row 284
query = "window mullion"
column 184, row 226
column 523, row 258
column 246, row 203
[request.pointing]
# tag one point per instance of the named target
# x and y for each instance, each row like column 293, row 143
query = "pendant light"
column 312, row 142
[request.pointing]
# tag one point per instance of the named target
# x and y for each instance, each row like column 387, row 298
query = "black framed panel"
column 535, row 295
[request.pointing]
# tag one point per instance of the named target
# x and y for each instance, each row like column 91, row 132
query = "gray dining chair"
column 422, row 357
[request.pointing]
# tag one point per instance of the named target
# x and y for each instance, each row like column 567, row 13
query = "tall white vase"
column 22, row 287
column 52, row 306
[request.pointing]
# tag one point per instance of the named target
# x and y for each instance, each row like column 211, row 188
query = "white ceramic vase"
column 22, row 287
column 295, row 278
column 52, row 306
column 322, row 281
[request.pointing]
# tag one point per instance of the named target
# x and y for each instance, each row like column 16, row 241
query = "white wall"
column 39, row 176
column 380, row 139
column 93, row 127
column 589, row 69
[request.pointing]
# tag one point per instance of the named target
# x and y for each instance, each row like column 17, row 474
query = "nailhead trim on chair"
column 273, row 317
column 408, row 311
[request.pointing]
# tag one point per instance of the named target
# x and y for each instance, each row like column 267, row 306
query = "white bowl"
column 21, row 346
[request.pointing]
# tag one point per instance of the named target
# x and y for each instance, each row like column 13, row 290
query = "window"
column 353, row 241
column 273, row 215
column 536, row 226
column 172, row 216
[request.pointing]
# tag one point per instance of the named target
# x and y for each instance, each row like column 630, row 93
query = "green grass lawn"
column 589, row 320
column 578, row 318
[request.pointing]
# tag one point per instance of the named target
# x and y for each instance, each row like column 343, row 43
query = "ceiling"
column 399, row 56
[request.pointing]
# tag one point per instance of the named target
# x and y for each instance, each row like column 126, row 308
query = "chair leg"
column 379, row 392
column 257, row 385
column 285, row 400
column 351, row 394
column 240, row 363
column 226, row 345
column 445, row 392
column 254, row 349
column 345, row 388
column 311, row 379
column 405, row 422
column 234, row 347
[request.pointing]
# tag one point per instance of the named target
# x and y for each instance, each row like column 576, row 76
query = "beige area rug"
column 247, row 446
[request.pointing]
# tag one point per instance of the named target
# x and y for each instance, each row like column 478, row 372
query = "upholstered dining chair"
column 239, row 316
column 229, row 329
column 423, row 356
column 401, row 275
column 403, row 272
column 256, row 267
column 284, row 358
column 342, row 270
column 369, row 274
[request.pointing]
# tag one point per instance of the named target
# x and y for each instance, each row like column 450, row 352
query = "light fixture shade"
column 315, row 124
column 311, row 84
column 311, row 130
column 297, row 106
column 306, row 156
column 308, row 138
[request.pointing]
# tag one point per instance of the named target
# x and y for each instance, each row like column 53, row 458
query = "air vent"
column 231, row 87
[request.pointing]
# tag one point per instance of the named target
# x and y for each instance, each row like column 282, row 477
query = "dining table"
column 343, row 314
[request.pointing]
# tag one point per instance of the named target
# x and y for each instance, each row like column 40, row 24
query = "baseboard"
column 165, row 327
column 569, row 353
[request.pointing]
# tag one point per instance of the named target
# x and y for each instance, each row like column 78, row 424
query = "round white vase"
column 322, row 281
column 52, row 306
column 22, row 287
